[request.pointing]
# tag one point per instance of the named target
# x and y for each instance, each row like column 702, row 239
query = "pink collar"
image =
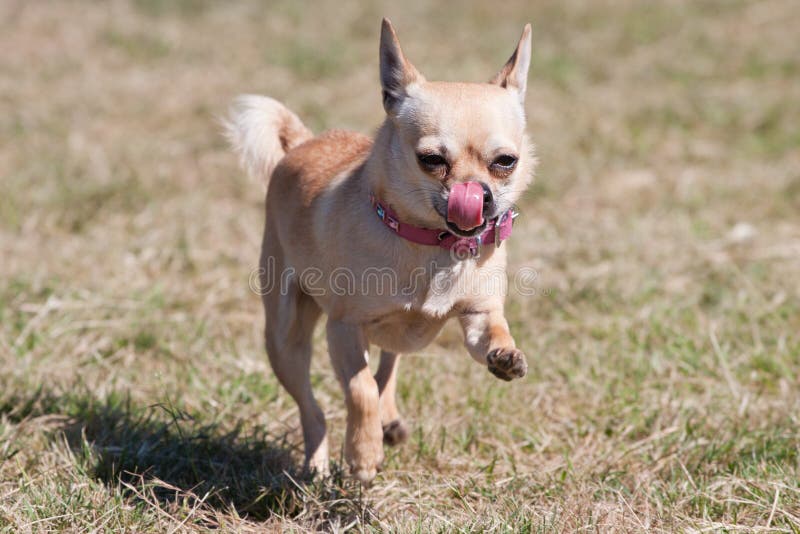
column 497, row 230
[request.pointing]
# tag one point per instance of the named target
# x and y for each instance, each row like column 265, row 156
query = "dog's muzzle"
column 465, row 205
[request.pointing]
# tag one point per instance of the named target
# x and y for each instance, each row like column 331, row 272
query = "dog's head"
column 458, row 154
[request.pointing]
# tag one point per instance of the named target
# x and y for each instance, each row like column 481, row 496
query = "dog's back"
column 310, row 167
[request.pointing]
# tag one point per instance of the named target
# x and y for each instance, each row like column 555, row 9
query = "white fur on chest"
column 446, row 288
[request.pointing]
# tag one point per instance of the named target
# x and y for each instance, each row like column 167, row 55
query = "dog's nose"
column 488, row 198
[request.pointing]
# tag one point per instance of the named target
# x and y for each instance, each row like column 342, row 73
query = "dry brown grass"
column 663, row 342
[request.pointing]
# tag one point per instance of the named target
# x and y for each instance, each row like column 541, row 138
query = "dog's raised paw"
column 395, row 433
column 507, row 364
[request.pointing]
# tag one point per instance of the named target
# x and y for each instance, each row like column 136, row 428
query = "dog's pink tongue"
column 465, row 205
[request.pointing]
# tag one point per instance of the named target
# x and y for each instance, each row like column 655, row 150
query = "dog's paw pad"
column 395, row 433
column 507, row 364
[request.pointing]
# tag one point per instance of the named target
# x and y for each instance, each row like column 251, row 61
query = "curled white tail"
column 261, row 131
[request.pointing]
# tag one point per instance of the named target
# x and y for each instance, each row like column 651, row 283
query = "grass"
column 662, row 332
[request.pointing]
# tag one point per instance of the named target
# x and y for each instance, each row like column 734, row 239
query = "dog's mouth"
column 441, row 209
column 455, row 230
column 467, row 209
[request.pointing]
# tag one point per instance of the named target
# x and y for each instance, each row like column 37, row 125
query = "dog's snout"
column 488, row 197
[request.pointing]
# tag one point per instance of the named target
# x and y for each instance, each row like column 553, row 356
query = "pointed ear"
column 514, row 74
column 396, row 71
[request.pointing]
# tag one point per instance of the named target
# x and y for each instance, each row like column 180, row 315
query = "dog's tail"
column 261, row 131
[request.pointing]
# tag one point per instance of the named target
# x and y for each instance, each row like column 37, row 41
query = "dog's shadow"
column 164, row 456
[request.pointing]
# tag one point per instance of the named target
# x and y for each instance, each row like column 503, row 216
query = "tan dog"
column 345, row 219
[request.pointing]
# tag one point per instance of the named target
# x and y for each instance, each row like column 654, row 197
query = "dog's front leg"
column 489, row 342
column 364, row 439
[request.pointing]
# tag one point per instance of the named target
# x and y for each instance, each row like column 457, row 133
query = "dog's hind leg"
column 363, row 448
column 394, row 429
column 291, row 317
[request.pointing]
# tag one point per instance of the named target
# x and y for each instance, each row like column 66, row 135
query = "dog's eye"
column 431, row 161
column 504, row 162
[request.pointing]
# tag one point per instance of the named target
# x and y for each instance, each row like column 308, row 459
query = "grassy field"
column 664, row 227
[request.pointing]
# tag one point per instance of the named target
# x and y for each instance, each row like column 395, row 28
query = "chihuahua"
column 388, row 237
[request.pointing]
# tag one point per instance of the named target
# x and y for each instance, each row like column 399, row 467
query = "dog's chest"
column 445, row 288
column 420, row 315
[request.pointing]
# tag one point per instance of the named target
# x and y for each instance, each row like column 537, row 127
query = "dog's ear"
column 396, row 71
column 514, row 74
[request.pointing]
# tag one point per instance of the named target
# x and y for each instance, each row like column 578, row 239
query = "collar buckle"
column 475, row 246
